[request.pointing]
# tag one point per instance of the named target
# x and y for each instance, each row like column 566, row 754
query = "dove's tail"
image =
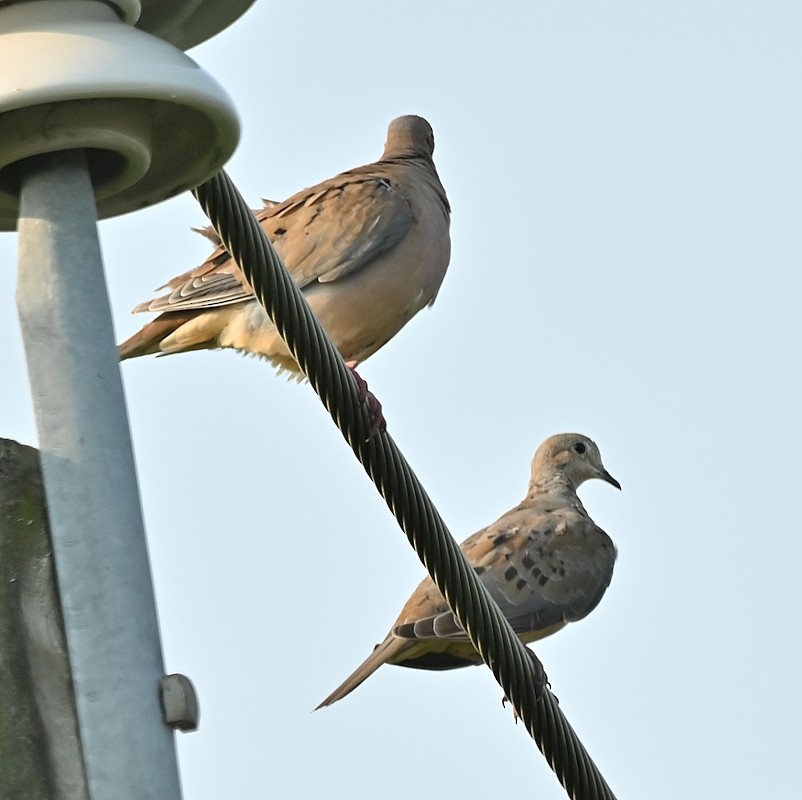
column 148, row 340
column 381, row 654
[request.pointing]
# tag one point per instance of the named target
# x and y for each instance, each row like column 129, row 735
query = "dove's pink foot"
column 541, row 682
column 541, row 679
column 374, row 407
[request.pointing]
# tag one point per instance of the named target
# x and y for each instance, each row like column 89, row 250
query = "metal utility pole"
column 99, row 118
column 88, row 468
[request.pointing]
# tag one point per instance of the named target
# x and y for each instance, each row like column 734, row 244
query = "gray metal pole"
column 98, row 537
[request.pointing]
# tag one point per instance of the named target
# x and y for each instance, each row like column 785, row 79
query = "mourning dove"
column 369, row 248
column 545, row 562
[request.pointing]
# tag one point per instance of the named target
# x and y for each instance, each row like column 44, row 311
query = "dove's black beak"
column 606, row 476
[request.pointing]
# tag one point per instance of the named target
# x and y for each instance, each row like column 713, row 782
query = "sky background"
column 626, row 183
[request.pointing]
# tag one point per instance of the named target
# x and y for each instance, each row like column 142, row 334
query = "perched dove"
column 369, row 248
column 545, row 563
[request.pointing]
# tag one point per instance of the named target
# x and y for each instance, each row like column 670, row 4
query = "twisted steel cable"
column 489, row 631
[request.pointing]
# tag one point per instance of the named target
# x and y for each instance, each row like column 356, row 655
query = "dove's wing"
column 338, row 226
column 543, row 571
column 546, row 576
column 215, row 283
column 322, row 234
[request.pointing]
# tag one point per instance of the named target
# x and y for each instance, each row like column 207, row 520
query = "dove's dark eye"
column 579, row 447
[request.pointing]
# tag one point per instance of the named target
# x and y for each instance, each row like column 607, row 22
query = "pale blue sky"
column 626, row 182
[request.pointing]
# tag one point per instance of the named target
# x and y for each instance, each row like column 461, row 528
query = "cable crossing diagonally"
column 406, row 498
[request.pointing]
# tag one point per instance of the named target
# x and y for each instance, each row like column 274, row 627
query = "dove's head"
column 409, row 136
column 571, row 458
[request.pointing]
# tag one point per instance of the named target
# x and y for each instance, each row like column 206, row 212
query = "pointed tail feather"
column 381, row 654
column 146, row 341
column 179, row 332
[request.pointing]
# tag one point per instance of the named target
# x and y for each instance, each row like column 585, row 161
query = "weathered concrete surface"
column 40, row 750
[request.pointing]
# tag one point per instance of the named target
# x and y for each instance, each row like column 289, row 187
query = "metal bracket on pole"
column 179, row 702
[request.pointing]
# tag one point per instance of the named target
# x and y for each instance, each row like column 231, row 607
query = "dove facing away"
column 369, row 248
column 545, row 562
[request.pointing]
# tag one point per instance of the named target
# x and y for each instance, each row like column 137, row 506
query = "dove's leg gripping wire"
column 481, row 618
